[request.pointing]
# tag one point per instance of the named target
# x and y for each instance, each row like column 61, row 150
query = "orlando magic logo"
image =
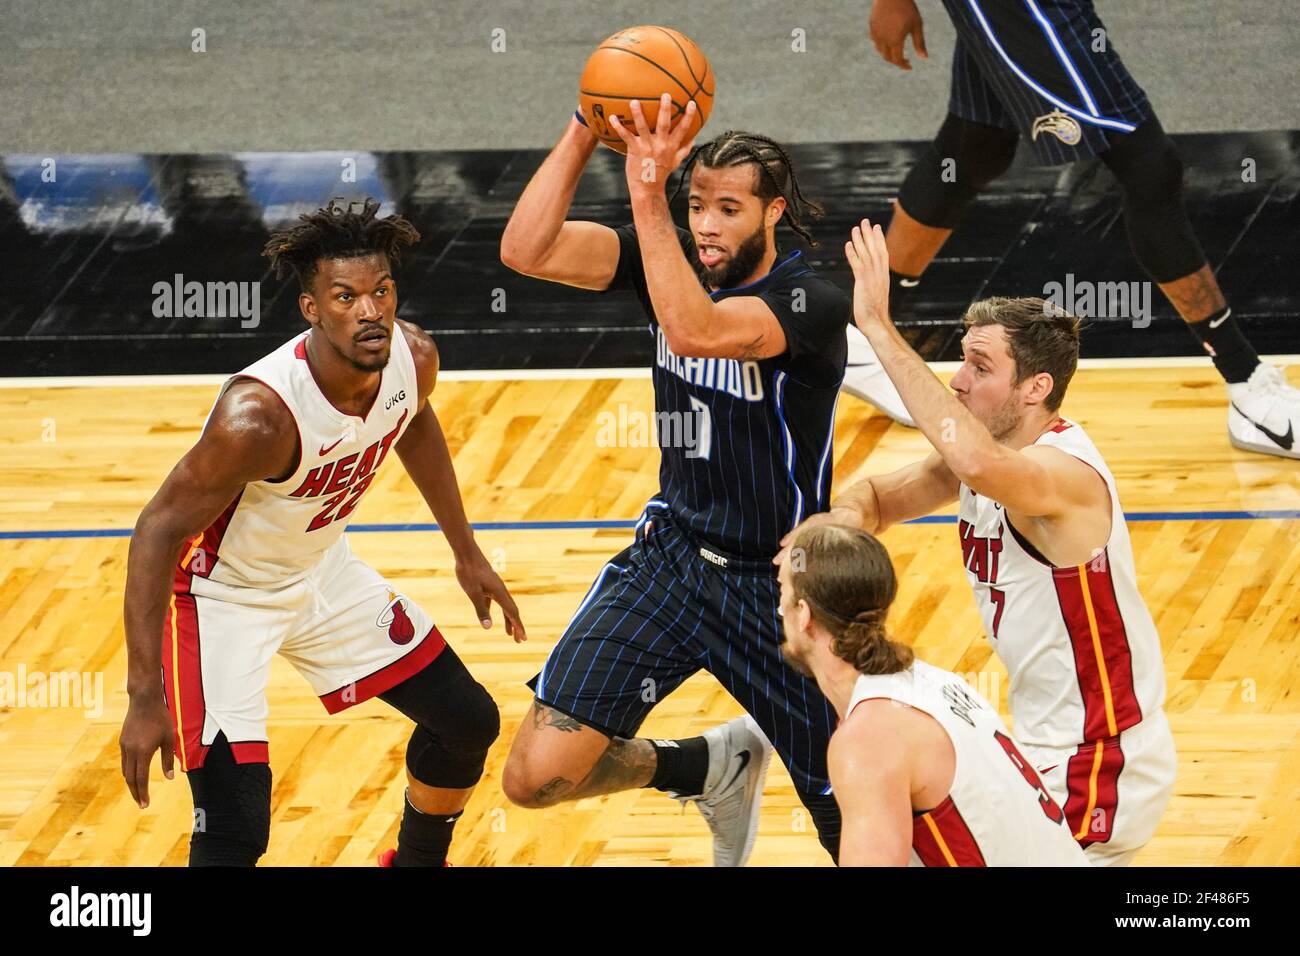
column 1061, row 125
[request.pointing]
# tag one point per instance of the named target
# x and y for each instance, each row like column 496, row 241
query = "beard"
column 1006, row 420
column 364, row 361
column 736, row 269
column 796, row 662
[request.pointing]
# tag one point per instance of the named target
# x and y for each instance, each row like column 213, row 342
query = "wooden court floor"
column 1225, row 593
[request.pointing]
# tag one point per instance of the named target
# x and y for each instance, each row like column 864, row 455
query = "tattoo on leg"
column 1197, row 296
column 544, row 716
column 552, row 792
column 625, row 765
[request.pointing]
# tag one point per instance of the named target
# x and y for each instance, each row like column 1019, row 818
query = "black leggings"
column 965, row 157
column 456, row 722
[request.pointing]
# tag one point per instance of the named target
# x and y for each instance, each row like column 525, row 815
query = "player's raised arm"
column 539, row 241
column 251, row 436
column 1028, row 480
column 871, row 778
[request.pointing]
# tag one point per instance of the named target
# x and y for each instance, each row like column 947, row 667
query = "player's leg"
column 1143, row 787
column 456, row 721
column 216, row 659
column 232, row 808
column 742, row 650
column 1264, row 410
column 362, row 638
column 621, row 654
column 974, row 146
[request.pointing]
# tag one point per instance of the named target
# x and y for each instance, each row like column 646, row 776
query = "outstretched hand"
column 868, row 257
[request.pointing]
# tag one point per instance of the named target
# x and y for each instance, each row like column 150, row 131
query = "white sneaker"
column 1263, row 413
column 865, row 378
column 733, row 788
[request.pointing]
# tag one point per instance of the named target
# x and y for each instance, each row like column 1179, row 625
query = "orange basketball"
column 643, row 63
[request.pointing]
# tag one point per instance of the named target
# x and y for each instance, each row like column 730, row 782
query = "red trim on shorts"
column 1099, row 720
column 1093, row 785
column 182, row 674
column 952, row 845
column 387, row 677
column 251, row 751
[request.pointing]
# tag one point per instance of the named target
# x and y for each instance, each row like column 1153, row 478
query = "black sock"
column 683, row 765
column 1233, row 356
column 423, row 838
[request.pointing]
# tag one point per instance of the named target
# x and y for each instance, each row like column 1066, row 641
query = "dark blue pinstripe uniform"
column 696, row 589
column 1035, row 66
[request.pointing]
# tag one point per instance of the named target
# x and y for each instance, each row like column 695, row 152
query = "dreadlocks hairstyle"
column 775, row 174
column 337, row 232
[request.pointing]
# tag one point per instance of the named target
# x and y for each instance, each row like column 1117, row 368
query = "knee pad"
column 1150, row 172
column 936, row 192
column 448, row 748
column 232, row 809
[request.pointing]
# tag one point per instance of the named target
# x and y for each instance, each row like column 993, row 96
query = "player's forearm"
column 424, row 452
column 151, row 562
column 859, row 506
column 958, row 436
column 541, row 210
column 682, row 307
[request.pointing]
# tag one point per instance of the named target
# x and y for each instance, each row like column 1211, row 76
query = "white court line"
column 557, row 374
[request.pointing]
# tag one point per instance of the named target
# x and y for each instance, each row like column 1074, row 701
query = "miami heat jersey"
column 1078, row 642
column 274, row 532
column 997, row 812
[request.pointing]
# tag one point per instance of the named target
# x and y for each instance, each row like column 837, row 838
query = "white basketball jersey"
column 1078, row 642
column 274, row 532
column 997, row 812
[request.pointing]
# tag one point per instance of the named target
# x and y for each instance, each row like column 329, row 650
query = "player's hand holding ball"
column 653, row 154
column 869, row 259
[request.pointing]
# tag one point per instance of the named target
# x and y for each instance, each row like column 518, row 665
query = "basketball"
column 643, row 63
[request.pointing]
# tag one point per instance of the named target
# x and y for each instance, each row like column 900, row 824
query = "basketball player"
column 1048, row 72
column 749, row 353
column 935, row 782
column 241, row 555
column 1045, row 548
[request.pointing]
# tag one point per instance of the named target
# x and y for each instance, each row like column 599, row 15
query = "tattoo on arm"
column 753, row 350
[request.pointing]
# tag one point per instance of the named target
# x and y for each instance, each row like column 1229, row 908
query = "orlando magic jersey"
column 746, row 444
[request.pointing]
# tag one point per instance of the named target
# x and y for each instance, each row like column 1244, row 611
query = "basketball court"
column 104, row 389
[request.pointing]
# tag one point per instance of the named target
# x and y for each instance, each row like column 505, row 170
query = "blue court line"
column 1285, row 514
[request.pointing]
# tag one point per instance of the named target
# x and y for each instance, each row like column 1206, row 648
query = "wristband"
column 577, row 114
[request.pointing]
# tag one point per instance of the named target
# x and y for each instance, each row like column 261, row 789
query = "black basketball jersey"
column 746, row 445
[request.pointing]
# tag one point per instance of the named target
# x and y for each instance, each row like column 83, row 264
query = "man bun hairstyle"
column 849, row 583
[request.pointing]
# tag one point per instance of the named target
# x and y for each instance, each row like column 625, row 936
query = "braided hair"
column 775, row 174
column 848, row 581
column 337, row 232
